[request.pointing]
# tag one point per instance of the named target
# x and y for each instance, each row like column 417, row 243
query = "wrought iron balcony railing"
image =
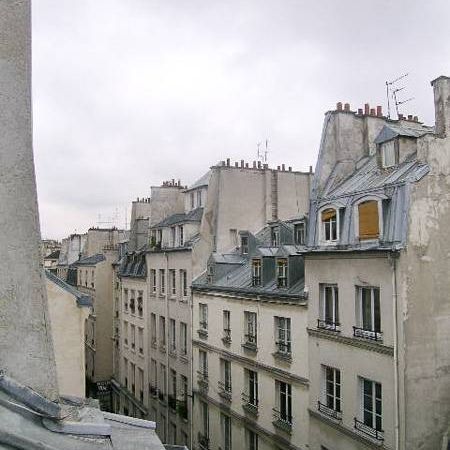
column 367, row 334
column 327, row 324
column 368, row 430
column 324, row 409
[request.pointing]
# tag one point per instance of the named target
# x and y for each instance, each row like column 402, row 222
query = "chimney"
column 310, row 169
column 242, row 163
column 379, row 111
column 290, row 169
column 254, row 164
column 372, row 111
column 410, row 117
column 228, row 162
column 259, row 164
column 236, row 164
column 347, row 107
column 246, row 165
column 416, row 119
column 400, row 116
column 283, row 167
column 360, row 111
column 339, row 106
column 366, row 109
column 441, row 88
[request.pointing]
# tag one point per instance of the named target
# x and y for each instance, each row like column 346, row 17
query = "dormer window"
column 389, row 153
column 256, row 272
column 244, row 245
column 282, row 279
column 199, row 198
column 329, row 225
column 299, row 233
column 369, row 223
column 275, row 236
column 210, row 274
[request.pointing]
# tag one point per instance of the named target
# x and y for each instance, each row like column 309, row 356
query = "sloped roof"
column 391, row 131
column 82, row 298
column 202, row 181
column 53, row 255
column 192, row 216
column 30, row 421
column 90, row 260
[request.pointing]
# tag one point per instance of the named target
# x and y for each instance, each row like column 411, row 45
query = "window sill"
column 329, row 412
column 173, row 297
column 282, row 425
column 226, row 341
column 287, row 357
column 251, row 409
column 202, row 333
column 183, row 300
column 225, row 395
column 250, row 347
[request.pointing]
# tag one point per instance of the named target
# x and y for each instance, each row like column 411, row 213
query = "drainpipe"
column 393, row 262
column 166, row 337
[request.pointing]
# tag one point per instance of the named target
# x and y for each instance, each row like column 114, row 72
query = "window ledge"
column 249, row 408
column 202, row 333
column 283, row 356
column 282, row 425
column 226, row 341
column 250, row 347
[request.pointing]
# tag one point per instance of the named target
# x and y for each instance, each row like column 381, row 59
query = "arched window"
column 369, row 227
column 329, row 225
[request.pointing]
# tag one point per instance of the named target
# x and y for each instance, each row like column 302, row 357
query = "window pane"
column 366, row 307
column 377, row 318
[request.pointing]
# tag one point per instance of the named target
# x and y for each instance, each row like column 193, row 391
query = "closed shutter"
column 368, row 220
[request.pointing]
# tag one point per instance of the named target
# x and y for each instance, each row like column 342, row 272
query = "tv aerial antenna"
column 261, row 154
column 391, row 91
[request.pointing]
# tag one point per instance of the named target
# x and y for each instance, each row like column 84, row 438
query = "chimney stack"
column 410, row 117
column 360, row 111
column 228, row 162
column 347, row 107
column 254, row 164
column 379, row 111
column 441, row 88
column 366, row 109
column 339, row 106
column 372, row 111
column 400, row 116
column 283, row 167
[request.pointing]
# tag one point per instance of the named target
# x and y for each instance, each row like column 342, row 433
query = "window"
column 184, row 284
column 282, row 280
column 162, row 333
column 132, row 301
column 173, row 234
column 371, row 409
column 275, row 236
column 225, row 369
column 125, row 333
column 203, row 363
column 153, row 329
column 141, row 340
column 199, row 198
column 283, row 335
column 125, row 372
column 172, row 432
column 203, row 316
column 163, row 381
column 368, row 220
column 368, row 307
column 92, row 278
column 172, row 336
column 125, row 300
column 162, row 428
column 181, row 235
column 153, row 280
column 244, row 245
column 141, row 384
column 133, row 377
column 330, row 403
column 250, row 329
column 251, row 440
column 299, row 233
column 329, row 225
column 140, row 304
column 225, row 426
column 389, row 153
column 154, row 378
column 256, row 272
column 173, row 389
column 250, row 394
column 192, row 201
column 329, row 307
column 283, row 411
column 183, row 339
column 182, row 406
column 159, row 237
column 173, row 286
column 133, row 336
column 226, row 326
column 210, row 273
column 204, row 424
column 162, row 281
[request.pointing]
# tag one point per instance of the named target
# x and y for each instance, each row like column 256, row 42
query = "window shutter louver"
column 368, row 220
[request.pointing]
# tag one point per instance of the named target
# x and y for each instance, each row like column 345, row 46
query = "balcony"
column 203, row 441
column 162, row 347
column 250, row 404
column 202, row 380
column 282, row 420
column 225, row 390
column 182, row 409
column 250, row 342
column 329, row 325
column 154, row 343
column 283, row 350
column 226, row 339
column 330, row 412
column 367, row 334
column 203, row 330
column 368, row 430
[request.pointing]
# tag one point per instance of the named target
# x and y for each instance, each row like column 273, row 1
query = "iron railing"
column 367, row 334
column 368, row 430
column 327, row 324
column 324, row 409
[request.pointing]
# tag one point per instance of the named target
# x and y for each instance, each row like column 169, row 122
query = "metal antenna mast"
column 392, row 90
column 262, row 155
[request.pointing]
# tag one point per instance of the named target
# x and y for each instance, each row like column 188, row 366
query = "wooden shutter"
column 368, row 220
column 328, row 214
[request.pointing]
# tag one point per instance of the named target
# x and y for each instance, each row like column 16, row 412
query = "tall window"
column 172, row 335
column 173, row 234
column 250, row 394
column 125, row 372
column 141, row 384
column 371, row 404
column 183, row 339
column 329, row 225
column 329, row 307
column 141, row 340
column 199, row 198
column 125, row 333
column 250, row 328
column 125, row 300
column 225, row 368
column 204, row 424
column 132, row 301
column 153, row 377
column 203, row 316
column 283, row 335
column 284, row 401
column 162, row 281
column 140, row 304
column 173, row 286
column 256, row 272
column 282, row 278
column 203, row 363
column 225, row 425
column 251, row 440
column 192, row 201
column 162, row 332
column 368, row 220
column 153, row 329
column 331, row 392
column 153, row 280
column 163, row 380
column 299, row 233
column 244, row 245
column 369, row 313
column 181, row 235
column 184, row 284
column 389, row 153
column 133, row 336
column 226, row 325
column 275, row 236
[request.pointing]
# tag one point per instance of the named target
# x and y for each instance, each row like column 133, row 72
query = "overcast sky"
column 128, row 93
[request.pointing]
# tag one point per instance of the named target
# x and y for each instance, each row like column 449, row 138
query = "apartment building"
column 250, row 350
column 71, row 250
column 377, row 275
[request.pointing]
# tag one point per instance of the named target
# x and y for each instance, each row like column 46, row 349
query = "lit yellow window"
column 368, row 220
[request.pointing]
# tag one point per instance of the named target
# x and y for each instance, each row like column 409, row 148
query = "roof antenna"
column 391, row 90
column 262, row 154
